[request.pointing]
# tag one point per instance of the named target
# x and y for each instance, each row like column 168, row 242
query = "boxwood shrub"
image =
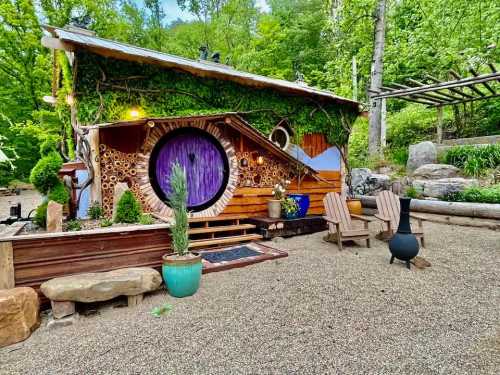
column 128, row 210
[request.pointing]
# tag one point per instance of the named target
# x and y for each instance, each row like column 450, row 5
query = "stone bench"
column 63, row 292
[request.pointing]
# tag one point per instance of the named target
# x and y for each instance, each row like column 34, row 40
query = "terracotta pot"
column 354, row 206
column 182, row 274
column 274, row 208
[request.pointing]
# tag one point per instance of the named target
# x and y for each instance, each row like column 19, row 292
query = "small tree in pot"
column 181, row 271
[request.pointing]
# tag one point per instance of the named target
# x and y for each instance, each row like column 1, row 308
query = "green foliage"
column 129, row 209
column 169, row 93
column 158, row 311
column 412, row 192
column 73, row 225
column 95, row 211
column 58, row 193
column 40, row 217
column 44, row 174
column 474, row 161
column 476, row 194
column 50, row 144
column 177, row 199
column 358, row 144
column 289, row 206
column 146, row 219
column 106, row 222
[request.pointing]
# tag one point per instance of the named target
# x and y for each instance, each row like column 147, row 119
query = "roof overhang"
column 71, row 40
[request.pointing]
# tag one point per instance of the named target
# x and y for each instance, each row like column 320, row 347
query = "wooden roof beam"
column 485, row 84
column 446, row 95
column 456, row 91
column 426, row 96
column 470, row 87
column 492, row 67
column 440, row 86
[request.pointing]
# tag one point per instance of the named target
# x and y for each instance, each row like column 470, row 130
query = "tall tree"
column 376, row 80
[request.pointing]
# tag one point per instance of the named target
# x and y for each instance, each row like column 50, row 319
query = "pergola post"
column 439, row 130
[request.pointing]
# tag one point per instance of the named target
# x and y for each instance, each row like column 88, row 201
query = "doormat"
column 228, row 255
column 237, row 256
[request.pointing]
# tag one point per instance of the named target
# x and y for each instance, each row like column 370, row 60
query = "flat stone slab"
column 102, row 286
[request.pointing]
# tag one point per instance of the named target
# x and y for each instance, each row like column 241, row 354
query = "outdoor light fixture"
column 260, row 160
column 134, row 113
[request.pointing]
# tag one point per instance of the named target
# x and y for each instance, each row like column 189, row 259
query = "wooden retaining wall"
column 37, row 258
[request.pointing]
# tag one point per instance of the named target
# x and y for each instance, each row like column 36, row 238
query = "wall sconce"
column 260, row 160
column 134, row 113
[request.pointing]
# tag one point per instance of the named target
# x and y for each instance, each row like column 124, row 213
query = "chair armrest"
column 361, row 218
column 417, row 217
column 331, row 220
column 383, row 218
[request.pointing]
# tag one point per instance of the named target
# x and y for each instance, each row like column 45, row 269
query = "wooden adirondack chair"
column 388, row 212
column 339, row 221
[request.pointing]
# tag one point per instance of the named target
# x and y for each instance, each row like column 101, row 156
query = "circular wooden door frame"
column 155, row 134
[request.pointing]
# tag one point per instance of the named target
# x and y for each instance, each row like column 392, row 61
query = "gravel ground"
column 319, row 311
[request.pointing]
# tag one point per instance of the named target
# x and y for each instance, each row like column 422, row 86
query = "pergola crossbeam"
column 485, row 84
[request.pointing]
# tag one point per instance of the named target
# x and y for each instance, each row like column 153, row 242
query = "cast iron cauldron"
column 404, row 245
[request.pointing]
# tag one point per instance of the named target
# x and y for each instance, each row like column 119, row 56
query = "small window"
column 281, row 137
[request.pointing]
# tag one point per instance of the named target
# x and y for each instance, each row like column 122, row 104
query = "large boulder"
column 364, row 182
column 19, row 316
column 420, row 154
column 102, row 286
column 435, row 171
column 443, row 186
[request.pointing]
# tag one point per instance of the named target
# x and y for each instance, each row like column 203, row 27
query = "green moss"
column 128, row 210
column 161, row 93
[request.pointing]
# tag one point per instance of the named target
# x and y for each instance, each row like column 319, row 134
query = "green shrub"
column 146, row 219
column 476, row 194
column 50, row 144
column 95, row 211
column 73, row 226
column 105, row 222
column 40, row 217
column 44, row 174
column 59, row 193
column 178, row 201
column 473, row 160
column 412, row 192
column 358, row 144
column 128, row 210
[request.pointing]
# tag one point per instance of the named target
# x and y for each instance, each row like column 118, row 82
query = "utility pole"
column 374, row 133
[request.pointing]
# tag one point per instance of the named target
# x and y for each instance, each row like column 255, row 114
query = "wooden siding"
column 314, row 144
column 253, row 201
column 38, row 260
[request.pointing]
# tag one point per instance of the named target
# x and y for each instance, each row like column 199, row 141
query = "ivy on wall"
column 107, row 89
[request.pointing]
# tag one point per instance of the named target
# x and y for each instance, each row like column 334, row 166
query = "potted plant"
column 181, row 271
column 274, row 205
column 290, row 208
column 302, row 200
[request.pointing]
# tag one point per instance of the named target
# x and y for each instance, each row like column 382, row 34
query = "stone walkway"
column 319, row 311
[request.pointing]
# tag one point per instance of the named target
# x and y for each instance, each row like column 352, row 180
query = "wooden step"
column 217, row 218
column 226, row 228
column 224, row 240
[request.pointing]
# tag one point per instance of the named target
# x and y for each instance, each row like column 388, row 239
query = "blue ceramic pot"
column 303, row 202
column 290, row 216
column 182, row 274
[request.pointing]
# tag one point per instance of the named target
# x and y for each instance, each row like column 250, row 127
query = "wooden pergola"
column 440, row 93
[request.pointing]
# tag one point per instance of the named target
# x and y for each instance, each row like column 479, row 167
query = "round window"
column 202, row 157
column 280, row 137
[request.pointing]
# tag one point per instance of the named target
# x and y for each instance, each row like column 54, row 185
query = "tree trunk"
column 376, row 80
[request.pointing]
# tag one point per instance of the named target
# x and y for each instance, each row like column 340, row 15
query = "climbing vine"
column 107, row 89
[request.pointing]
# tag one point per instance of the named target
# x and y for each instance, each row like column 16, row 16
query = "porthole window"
column 280, row 137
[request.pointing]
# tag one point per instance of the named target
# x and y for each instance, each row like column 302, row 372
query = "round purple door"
column 203, row 159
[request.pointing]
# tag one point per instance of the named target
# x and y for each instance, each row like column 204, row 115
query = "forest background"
column 316, row 39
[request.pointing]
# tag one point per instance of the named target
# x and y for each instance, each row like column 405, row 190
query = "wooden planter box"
column 29, row 260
